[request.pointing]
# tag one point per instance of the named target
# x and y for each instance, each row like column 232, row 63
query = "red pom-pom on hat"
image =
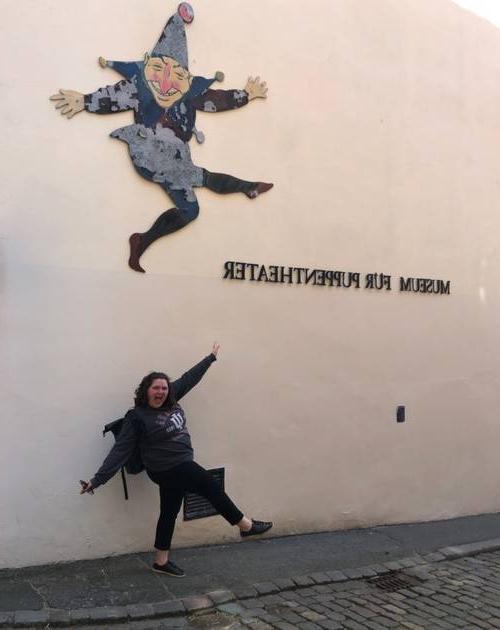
column 185, row 10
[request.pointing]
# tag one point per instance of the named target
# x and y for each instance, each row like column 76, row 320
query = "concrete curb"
column 472, row 549
column 221, row 598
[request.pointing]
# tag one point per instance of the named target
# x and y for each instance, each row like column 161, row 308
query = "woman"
column 158, row 424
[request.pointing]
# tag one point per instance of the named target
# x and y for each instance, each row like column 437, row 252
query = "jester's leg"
column 168, row 222
column 224, row 184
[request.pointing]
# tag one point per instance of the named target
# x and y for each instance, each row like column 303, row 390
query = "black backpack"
column 134, row 464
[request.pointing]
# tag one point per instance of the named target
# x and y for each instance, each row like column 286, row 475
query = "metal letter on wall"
column 165, row 97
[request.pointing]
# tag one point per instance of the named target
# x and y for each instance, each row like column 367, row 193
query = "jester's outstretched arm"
column 120, row 97
column 223, row 100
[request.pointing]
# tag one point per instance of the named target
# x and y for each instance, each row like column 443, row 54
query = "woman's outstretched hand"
column 86, row 486
column 215, row 349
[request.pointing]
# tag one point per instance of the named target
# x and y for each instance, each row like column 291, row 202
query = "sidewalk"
column 124, row 588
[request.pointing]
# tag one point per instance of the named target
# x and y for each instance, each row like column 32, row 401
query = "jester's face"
column 167, row 79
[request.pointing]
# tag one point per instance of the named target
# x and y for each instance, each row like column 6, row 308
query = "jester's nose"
column 165, row 81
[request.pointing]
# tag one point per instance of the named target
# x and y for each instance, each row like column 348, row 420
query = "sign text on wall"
column 255, row 272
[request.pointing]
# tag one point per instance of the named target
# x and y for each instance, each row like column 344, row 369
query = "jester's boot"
column 168, row 222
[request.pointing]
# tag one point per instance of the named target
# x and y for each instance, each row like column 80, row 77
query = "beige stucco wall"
column 381, row 136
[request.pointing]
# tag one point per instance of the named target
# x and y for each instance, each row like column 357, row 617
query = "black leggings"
column 173, row 483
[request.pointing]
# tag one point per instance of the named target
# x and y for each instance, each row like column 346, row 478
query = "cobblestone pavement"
column 461, row 593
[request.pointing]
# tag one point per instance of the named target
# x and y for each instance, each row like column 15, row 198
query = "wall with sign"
column 365, row 280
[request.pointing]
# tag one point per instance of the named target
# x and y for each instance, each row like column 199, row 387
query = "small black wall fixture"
column 400, row 413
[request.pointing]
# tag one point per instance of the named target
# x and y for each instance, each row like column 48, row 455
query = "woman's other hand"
column 86, row 486
column 215, row 349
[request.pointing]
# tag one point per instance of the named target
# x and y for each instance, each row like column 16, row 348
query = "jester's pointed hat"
column 172, row 41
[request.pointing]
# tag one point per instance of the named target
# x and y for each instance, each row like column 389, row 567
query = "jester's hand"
column 255, row 88
column 69, row 102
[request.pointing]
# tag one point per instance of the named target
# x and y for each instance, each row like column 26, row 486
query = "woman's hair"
column 141, row 393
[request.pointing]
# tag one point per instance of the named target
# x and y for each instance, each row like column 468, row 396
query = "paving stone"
column 322, row 610
column 283, row 625
column 337, row 576
column 79, row 616
column 457, row 622
column 6, row 617
column 59, row 617
column 407, row 563
column 320, row 578
column 108, row 613
column 312, row 615
column 416, row 619
column 271, row 600
column 197, row 602
column 385, row 622
column 322, row 589
column 394, row 565
column 353, row 574
column 174, row 607
column 26, row 618
column 434, row 557
column 335, row 615
column 480, row 614
column 354, row 616
column 165, row 624
column 308, row 625
column 231, row 608
column 307, row 591
column 253, row 602
column 422, row 573
column 16, row 594
column 140, row 611
column 284, row 583
column 251, row 613
column 481, row 624
column 442, row 599
column 379, row 569
column 266, row 588
column 291, row 617
column 394, row 609
column 303, row 580
column 432, row 610
column 422, row 590
column 221, row 597
column 363, row 611
column 245, row 592
column 328, row 624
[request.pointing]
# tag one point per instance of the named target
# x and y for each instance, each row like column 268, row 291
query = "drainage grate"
column 198, row 507
column 394, row 581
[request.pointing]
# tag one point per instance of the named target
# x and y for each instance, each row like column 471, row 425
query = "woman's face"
column 157, row 393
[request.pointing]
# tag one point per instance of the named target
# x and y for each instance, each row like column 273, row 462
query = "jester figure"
column 165, row 97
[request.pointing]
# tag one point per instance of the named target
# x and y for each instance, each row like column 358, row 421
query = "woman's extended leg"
column 198, row 480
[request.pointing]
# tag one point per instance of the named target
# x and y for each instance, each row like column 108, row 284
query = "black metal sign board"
column 255, row 272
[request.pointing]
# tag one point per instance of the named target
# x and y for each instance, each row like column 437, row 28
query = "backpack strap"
column 124, row 481
column 115, row 427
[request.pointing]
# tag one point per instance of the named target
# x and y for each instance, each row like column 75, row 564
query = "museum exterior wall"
column 380, row 134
